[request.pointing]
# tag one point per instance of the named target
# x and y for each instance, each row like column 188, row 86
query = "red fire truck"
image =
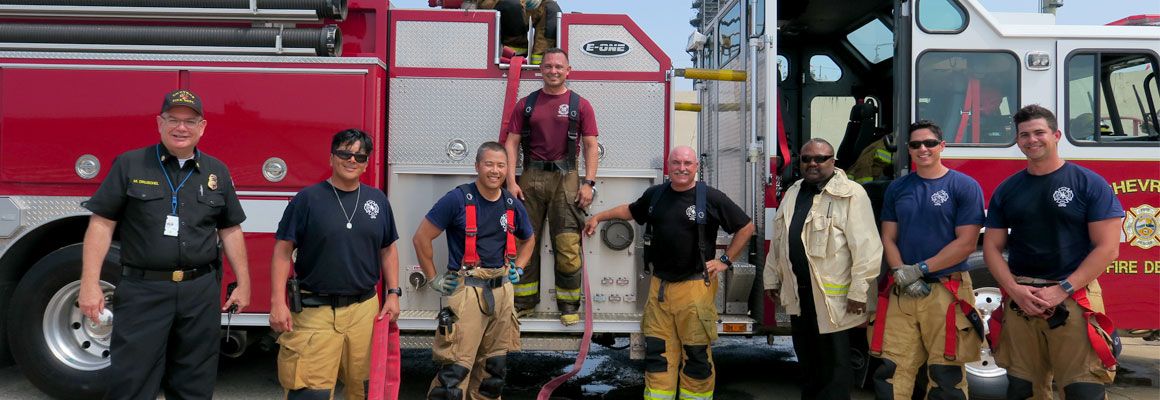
column 853, row 72
column 78, row 84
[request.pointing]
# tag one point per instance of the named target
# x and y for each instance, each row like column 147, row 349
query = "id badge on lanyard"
column 171, row 221
column 171, row 224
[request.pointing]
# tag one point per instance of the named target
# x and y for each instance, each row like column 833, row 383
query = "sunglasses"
column 806, row 159
column 346, row 155
column 929, row 143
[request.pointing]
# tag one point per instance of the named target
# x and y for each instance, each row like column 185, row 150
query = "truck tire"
column 985, row 380
column 55, row 345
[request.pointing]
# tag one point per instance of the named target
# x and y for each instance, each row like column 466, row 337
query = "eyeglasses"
column 929, row 143
column 806, row 159
column 189, row 123
column 346, row 155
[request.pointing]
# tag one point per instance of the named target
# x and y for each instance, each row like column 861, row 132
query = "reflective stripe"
column 836, row 289
column 567, row 294
column 653, row 394
column 526, row 289
column 685, row 394
column 517, row 49
column 884, row 155
column 863, row 179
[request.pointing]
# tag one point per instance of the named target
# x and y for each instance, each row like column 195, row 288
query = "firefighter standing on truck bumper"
column 930, row 225
column 549, row 125
column 344, row 233
column 477, row 326
column 173, row 203
column 680, row 317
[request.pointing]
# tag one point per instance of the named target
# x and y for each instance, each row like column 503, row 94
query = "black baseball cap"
column 181, row 97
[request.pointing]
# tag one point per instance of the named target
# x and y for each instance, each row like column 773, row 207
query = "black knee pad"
column 698, row 366
column 552, row 17
column 308, row 394
column 492, row 386
column 442, row 393
column 883, row 389
column 1018, row 388
column 451, row 375
column 1083, row 391
column 511, row 18
column 945, row 377
column 654, row 355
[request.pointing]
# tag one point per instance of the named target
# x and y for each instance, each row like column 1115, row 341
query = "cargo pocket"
column 296, row 368
column 446, row 336
column 1097, row 367
column 968, row 344
column 708, row 317
column 514, row 338
column 819, row 233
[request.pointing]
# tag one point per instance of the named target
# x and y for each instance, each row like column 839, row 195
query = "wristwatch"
column 725, row 260
column 923, row 267
column 396, row 291
column 590, row 183
column 1067, row 287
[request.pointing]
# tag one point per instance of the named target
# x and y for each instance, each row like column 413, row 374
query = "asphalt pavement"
column 747, row 369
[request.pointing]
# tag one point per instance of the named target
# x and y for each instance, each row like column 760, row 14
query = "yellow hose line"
column 712, row 74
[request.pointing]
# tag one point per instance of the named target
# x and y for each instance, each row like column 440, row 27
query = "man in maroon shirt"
column 550, row 133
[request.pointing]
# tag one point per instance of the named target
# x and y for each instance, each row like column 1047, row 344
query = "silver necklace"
column 356, row 199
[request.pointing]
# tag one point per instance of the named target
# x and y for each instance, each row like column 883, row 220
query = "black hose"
column 332, row 9
column 326, row 41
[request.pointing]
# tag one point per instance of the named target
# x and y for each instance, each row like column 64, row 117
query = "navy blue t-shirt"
column 928, row 211
column 1048, row 217
column 332, row 259
column 449, row 214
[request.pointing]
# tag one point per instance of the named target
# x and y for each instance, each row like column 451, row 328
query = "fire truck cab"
column 855, row 72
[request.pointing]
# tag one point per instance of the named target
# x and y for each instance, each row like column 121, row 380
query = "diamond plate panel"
column 427, row 113
column 637, row 59
column 432, row 44
column 36, row 210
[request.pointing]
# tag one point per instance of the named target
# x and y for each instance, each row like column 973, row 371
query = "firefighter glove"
column 918, row 288
column 904, row 275
column 532, row 4
column 445, row 283
column 514, row 274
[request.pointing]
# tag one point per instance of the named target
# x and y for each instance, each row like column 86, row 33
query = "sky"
column 667, row 21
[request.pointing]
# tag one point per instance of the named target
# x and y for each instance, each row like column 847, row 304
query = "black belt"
column 174, row 276
column 559, row 165
column 334, row 300
column 489, row 284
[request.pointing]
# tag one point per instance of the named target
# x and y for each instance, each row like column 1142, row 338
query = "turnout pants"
column 514, row 25
column 328, row 344
column 824, row 359
column 916, row 333
column 551, row 195
column 167, row 337
column 1034, row 354
column 680, row 323
column 471, row 345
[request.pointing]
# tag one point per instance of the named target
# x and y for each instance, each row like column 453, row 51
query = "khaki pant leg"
column 662, row 347
column 947, row 378
column 356, row 322
column 310, row 354
column 532, row 182
column 565, row 220
column 456, row 352
column 1073, row 359
column 695, row 314
column 902, row 345
column 1023, row 351
column 490, row 371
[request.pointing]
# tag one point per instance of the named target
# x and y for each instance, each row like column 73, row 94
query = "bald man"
column 681, row 218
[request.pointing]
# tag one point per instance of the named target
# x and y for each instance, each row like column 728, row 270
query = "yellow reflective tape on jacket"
column 653, row 394
column 687, row 395
column 863, row 179
column 836, row 289
column 567, row 294
column 884, row 155
column 526, row 289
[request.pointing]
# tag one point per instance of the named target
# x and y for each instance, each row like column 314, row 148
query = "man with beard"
column 680, row 317
column 824, row 257
column 478, row 326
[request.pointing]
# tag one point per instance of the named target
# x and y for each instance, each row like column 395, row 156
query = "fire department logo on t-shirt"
column 691, row 212
column 371, row 208
column 563, row 110
column 1062, row 196
column 1140, row 226
column 939, row 197
column 503, row 221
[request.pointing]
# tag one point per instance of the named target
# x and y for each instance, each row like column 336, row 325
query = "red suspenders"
column 470, row 251
column 949, row 350
column 1103, row 350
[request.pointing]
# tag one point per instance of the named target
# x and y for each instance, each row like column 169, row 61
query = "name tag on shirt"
column 171, row 225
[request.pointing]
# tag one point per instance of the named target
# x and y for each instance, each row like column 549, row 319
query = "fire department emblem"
column 691, row 212
column 939, row 197
column 1062, row 196
column 212, row 182
column 503, row 222
column 371, row 208
column 563, row 110
column 1140, row 226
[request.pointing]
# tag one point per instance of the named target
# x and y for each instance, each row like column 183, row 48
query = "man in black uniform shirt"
column 680, row 318
column 346, row 242
column 173, row 203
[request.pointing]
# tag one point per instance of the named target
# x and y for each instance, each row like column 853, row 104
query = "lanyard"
column 173, row 199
